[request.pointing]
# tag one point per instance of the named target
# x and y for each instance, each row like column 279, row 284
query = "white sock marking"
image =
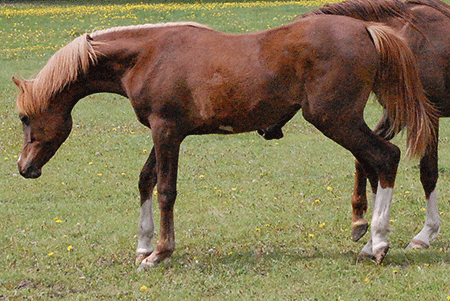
column 146, row 228
column 432, row 221
column 380, row 218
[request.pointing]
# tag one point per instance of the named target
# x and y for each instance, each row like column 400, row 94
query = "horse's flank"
column 65, row 66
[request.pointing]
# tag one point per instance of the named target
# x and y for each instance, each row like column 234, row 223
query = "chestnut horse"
column 185, row 79
column 425, row 26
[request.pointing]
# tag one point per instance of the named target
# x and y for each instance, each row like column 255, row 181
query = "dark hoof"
column 380, row 254
column 358, row 231
column 362, row 256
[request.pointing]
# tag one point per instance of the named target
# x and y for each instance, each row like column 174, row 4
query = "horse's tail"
column 400, row 91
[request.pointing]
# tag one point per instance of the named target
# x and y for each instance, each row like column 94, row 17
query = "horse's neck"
column 117, row 57
column 91, row 83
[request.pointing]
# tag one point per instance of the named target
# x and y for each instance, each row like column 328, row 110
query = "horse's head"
column 44, row 130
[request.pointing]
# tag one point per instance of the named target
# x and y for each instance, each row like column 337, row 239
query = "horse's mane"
column 440, row 6
column 367, row 10
column 61, row 69
column 377, row 10
column 149, row 25
column 67, row 64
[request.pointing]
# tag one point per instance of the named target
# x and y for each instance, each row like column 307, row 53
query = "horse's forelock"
column 25, row 104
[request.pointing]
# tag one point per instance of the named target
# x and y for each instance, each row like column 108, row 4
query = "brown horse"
column 184, row 79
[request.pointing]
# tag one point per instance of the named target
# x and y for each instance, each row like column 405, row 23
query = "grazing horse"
column 186, row 79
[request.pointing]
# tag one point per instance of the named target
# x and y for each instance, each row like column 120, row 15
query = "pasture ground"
column 255, row 219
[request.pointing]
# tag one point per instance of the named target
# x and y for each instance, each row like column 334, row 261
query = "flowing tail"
column 400, row 91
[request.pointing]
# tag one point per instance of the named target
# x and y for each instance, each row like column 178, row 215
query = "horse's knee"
column 166, row 199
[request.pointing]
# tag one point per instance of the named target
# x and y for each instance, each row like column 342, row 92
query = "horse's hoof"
column 151, row 261
column 358, row 230
column 417, row 244
column 363, row 255
column 380, row 254
column 142, row 267
column 145, row 265
column 140, row 258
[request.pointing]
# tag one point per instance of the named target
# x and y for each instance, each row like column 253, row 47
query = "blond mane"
column 149, row 25
column 61, row 69
column 64, row 67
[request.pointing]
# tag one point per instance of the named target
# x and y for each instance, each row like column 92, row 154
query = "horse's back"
column 243, row 82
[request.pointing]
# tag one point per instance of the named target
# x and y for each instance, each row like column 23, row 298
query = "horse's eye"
column 25, row 119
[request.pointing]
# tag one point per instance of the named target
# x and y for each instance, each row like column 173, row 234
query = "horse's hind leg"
column 429, row 176
column 372, row 150
column 146, row 228
column 359, row 200
column 359, row 197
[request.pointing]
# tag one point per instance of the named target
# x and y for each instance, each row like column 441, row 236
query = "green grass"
column 255, row 219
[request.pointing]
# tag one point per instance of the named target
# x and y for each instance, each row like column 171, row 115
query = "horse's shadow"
column 243, row 259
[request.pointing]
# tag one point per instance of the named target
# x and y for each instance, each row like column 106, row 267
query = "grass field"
column 254, row 219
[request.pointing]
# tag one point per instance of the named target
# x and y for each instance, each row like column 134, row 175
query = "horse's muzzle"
column 29, row 171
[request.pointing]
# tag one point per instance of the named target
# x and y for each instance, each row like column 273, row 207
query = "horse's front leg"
column 167, row 146
column 146, row 228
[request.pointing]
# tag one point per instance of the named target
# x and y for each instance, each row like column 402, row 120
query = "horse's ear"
column 89, row 38
column 18, row 82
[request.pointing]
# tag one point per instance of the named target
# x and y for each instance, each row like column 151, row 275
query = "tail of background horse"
column 400, row 91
